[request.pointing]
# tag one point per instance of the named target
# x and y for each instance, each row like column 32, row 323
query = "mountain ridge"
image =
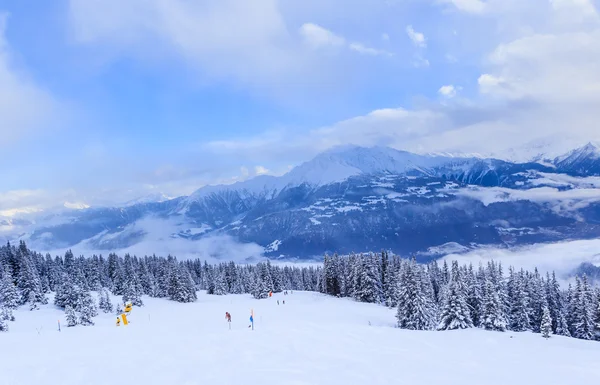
column 355, row 199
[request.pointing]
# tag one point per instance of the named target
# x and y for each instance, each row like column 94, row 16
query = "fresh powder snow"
column 312, row 339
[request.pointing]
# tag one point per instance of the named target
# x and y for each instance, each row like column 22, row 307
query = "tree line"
column 426, row 297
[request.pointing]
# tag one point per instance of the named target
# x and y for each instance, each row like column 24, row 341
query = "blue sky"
column 105, row 101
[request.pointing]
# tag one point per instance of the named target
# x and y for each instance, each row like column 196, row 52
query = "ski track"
column 312, row 339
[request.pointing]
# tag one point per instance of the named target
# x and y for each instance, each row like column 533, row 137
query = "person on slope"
column 118, row 321
column 228, row 316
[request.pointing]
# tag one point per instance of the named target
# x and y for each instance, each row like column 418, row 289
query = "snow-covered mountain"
column 351, row 199
column 150, row 198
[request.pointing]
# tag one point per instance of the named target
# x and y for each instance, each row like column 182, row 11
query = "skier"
column 228, row 316
column 284, row 301
column 118, row 321
column 277, row 302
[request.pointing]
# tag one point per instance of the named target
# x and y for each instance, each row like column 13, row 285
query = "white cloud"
column 25, row 107
column 548, row 67
column 243, row 41
column 469, row 6
column 448, row 91
column 260, row 170
column 420, row 62
column 317, row 37
column 367, row 50
column 385, row 37
column 417, row 38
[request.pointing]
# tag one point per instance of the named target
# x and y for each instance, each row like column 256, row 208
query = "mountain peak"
column 582, row 160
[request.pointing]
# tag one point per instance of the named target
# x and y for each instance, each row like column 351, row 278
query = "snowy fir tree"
column 474, row 296
column 104, row 302
column 71, row 316
column 86, row 309
column 415, row 308
column 6, row 313
column 583, row 323
column 597, row 317
column 546, row 326
column 492, row 316
column 131, row 285
column 3, row 325
column 455, row 311
column 9, row 296
column 220, row 284
column 28, row 280
column 519, row 310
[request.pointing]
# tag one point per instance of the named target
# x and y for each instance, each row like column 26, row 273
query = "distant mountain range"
column 350, row 199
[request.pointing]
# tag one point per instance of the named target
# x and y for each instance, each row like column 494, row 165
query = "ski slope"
column 312, row 339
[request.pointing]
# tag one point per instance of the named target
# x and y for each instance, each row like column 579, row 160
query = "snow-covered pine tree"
column 546, row 326
column 583, row 325
column 455, row 311
column 9, row 295
column 556, row 306
column 536, row 298
column 6, row 313
column 181, row 286
column 597, row 317
column 414, row 306
column 28, row 280
column 67, row 293
column 519, row 302
column 132, row 288
column 71, row 316
column 260, row 289
column 474, row 296
column 367, row 287
column 104, row 302
column 33, row 304
column 493, row 316
column 330, row 282
column 3, row 325
column 220, row 284
column 86, row 308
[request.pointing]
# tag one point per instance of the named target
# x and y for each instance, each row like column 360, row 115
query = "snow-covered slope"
column 312, row 339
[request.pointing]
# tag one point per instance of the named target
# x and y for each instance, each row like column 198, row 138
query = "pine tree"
column 546, row 326
column 33, row 304
column 556, row 306
column 220, row 284
column 474, row 297
column 3, row 325
column 597, row 317
column 583, row 325
column 367, row 286
column 86, row 308
column 492, row 317
column 67, row 293
column 71, row 316
column 28, row 281
column 455, row 312
column 415, row 309
column 105, row 303
column 519, row 302
column 131, row 286
column 6, row 313
column 9, row 296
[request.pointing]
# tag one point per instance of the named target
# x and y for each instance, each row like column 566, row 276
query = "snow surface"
column 312, row 339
